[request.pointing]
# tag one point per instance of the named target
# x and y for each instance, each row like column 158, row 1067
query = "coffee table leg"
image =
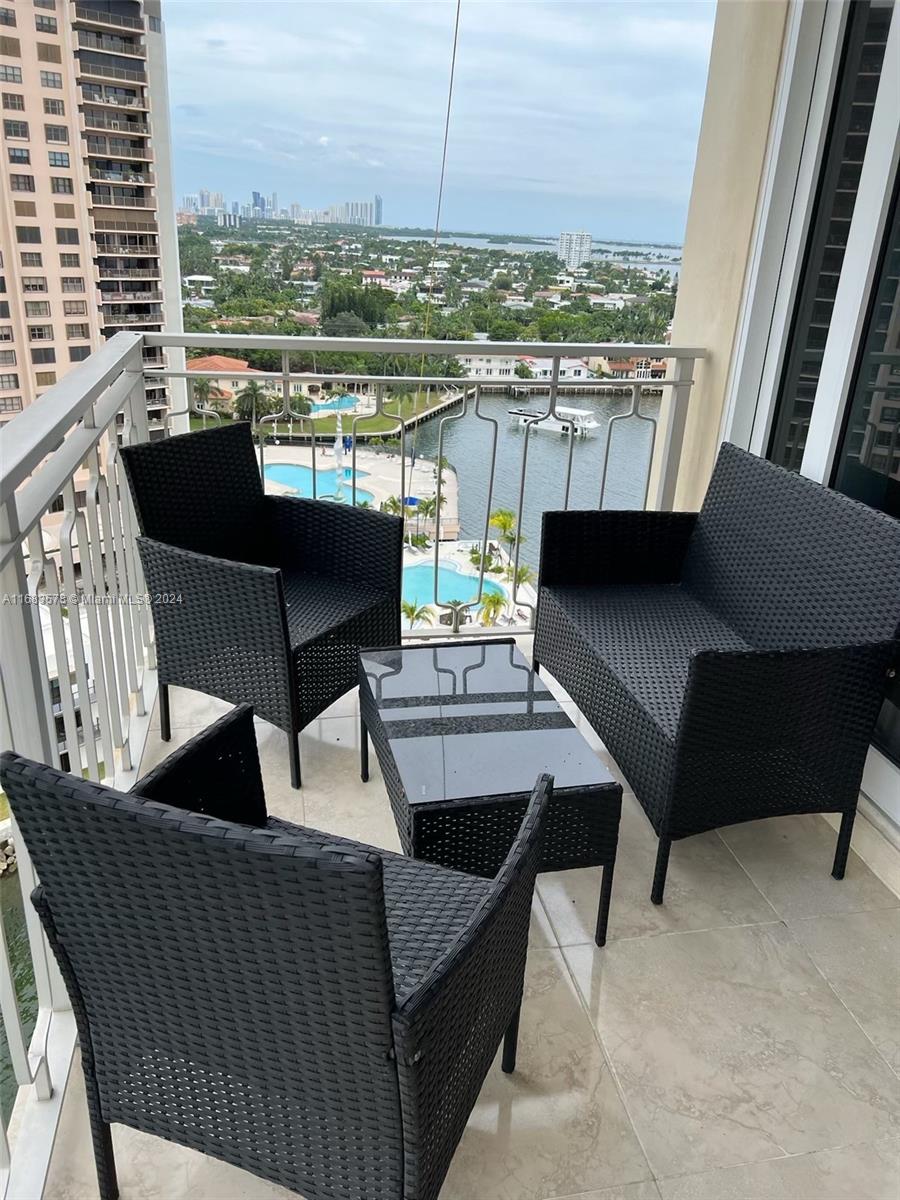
column 603, row 910
column 363, row 750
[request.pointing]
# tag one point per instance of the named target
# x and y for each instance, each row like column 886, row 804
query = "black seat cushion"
column 316, row 604
column 645, row 635
column 427, row 907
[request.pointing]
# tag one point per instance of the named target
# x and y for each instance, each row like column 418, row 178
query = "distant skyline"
column 566, row 115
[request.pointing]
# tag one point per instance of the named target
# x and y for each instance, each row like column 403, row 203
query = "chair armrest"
column 794, row 722
column 352, row 544
column 221, row 628
column 217, row 773
column 613, row 546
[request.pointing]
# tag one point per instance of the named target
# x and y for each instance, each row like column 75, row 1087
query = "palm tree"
column 200, row 390
column 504, row 521
column 492, row 605
column 392, row 505
column 251, row 401
column 416, row 614
column 524, row 574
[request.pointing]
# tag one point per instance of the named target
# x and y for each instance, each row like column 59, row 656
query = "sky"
column 565, row 115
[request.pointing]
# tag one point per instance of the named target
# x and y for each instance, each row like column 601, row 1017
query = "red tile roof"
column 220, row 362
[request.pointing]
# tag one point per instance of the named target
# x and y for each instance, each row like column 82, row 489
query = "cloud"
column 565, row 113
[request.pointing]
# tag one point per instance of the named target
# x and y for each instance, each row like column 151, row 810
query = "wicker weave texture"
column 305, row 1007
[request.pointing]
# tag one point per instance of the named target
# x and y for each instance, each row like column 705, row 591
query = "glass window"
column 55, row 108
column 40, row 333
column 74, row 308
column 10, row 46
column 21, row 183
column 57, row 158
column 155, row 24
column 67, row 237
column 14, row 101
column 61, row 186
column 19, row 154
column 4, row 308
column 79, row 330
column 51, row 4
column 69, row 260
column 10, row 74
column 34, row 283
column 15, row 129
column 44, row 378
column 56, row 133
column 43, row 355
column 27, row 233
column 31, row 258
column 51, row 79
column 47, row 52
column 37, row 308
column 7, row 16
column 10, row 403
column 9, row 381
column 5, row 333
column 7, row 358
column 79, row 353
column 25, row 208
column 45, row 24
column 72, row 284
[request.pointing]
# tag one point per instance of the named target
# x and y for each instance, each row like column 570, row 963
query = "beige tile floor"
column 740, row 1042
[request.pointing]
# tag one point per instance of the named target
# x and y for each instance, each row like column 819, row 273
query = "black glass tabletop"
column 472, row 719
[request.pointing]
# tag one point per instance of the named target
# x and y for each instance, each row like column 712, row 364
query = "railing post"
column 667, row 460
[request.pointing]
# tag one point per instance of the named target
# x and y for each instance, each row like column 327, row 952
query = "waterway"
column 467, row 447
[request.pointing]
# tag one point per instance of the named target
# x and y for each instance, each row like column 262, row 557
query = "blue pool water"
column 299, row 478
column 337, row 404
column 418, row 584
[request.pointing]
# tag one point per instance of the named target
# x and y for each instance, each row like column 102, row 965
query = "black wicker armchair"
column 257, row 599
column 733, row 661
column 313, row 1010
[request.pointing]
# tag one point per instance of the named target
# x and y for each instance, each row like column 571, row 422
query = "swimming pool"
column 336, row 404
column 453, row 584
column 299, row 478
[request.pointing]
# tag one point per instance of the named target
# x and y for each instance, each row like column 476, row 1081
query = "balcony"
column 734, row 1038
column 112, row 45
column 129, row 178
column 94, row 16
column 123, row 297
column 101, row 148
column 129, row 272
column 101, row 71
column 132, row 128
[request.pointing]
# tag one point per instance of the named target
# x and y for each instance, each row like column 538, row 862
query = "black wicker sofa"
column 733, row 660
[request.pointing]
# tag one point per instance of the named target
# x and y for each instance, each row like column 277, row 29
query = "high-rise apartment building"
column 574, row 249
column 87, row 222
column 378, row 210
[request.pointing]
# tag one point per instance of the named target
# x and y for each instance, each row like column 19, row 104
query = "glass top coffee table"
column 462, row 730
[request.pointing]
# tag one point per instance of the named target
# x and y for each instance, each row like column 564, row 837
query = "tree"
column 345, row 324
column 502, row 283
column 251, row 401
column 524, row 371
column 492, row 605
column 200, row 391
column 504, row 521
column 417, row 614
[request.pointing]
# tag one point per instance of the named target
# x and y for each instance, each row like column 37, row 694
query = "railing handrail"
column 429, row 346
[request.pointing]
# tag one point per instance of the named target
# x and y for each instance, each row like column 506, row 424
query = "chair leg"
column 843, row 844
column 294, row 747
column 165, row 720
column 662, row 866
column 510, row 1043
column 363, row 751
column 603, row 910
column 535, row 666
column 101, row 1136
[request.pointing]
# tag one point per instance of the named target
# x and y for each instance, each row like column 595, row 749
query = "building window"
column 14, row 101
column 56, row 133
column 11, row 47
column 26, row 234
column 72, row 283
column 51, row 79
column 7, row 16
column 8, row 381
column 155, row 24
column 37, row 308
column 61, row 186
column 47, row 52
column 69, row 260
column 58, row 158
column 18, row 154
column 34, row 283
column 10, row 404
column 14, row 129
column 4, row 309
column 44, row 378
column 74, row 308
column 31, row 258
column 46, row 25
column 79, row 353
column 65, row 212
column 5, row 333
column 7, row 358
column 67, row 237
column 80, row 330
column 51, row 4
column 54, row 108
column 43, row 355
column 10, row 74
column 25, row 208
column 21, row 183
column 41, row 333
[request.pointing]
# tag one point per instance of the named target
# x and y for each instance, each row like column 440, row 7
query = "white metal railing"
column 77, row 678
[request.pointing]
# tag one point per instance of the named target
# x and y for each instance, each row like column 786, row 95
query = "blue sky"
column 565, row 115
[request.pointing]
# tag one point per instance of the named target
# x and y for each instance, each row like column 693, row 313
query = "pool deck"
column 457, row 554
column 382, row 471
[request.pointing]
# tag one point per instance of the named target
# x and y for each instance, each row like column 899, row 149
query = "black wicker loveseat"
column 314, row 1010
column 733, row 660
column 257, row 599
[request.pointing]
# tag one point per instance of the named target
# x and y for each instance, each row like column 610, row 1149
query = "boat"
column 581, row 421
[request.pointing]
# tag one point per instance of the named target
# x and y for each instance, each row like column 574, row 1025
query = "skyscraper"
column 378, row 210
column 87, row 222
column 574, row 249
